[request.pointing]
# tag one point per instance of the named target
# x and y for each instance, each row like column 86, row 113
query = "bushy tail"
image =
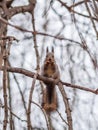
column 49, row 98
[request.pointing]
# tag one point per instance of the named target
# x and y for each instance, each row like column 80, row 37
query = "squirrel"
column 50, row 70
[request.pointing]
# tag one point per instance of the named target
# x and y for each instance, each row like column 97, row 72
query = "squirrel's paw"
column 53, row 106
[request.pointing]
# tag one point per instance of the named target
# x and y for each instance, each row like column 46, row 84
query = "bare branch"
column 29, row 103
column 48, row 127
column 5, row 88
column 45, row 79
column 61, row 117
column 67, row 106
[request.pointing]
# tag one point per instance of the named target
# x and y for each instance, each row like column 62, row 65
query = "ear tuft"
column 52, row 49
column 47, row 50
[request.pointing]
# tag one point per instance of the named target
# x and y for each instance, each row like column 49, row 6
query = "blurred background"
column 72, row 29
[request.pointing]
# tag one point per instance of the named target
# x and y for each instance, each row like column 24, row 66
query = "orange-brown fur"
column 50, row 69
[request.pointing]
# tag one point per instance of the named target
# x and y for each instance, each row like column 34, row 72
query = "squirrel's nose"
column 49, row 59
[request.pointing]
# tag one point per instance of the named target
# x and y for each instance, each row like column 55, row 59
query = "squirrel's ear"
column 47, row 50
column 52, row 49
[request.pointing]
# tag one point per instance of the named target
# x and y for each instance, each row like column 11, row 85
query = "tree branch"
column 67, row 106
column 45, row 79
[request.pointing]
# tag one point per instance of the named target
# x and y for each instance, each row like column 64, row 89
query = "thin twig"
column 18, row 85
column 35, row 42
column 13, row 113
column 94, row 26
column 29, row 103
column 10, row 38
column 43, row 113
column 61, row 117
column 78, row 3
column 37, row 32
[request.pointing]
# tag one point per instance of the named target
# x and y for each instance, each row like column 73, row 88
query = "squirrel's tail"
column 49, row 99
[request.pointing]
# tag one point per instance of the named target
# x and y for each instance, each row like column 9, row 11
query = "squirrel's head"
column 49, row 56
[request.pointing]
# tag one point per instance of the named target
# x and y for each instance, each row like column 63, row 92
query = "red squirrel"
column 50, row 70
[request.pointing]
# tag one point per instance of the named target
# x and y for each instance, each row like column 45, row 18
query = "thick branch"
column 45, row 79
column 21, row 9
column 5, row 89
